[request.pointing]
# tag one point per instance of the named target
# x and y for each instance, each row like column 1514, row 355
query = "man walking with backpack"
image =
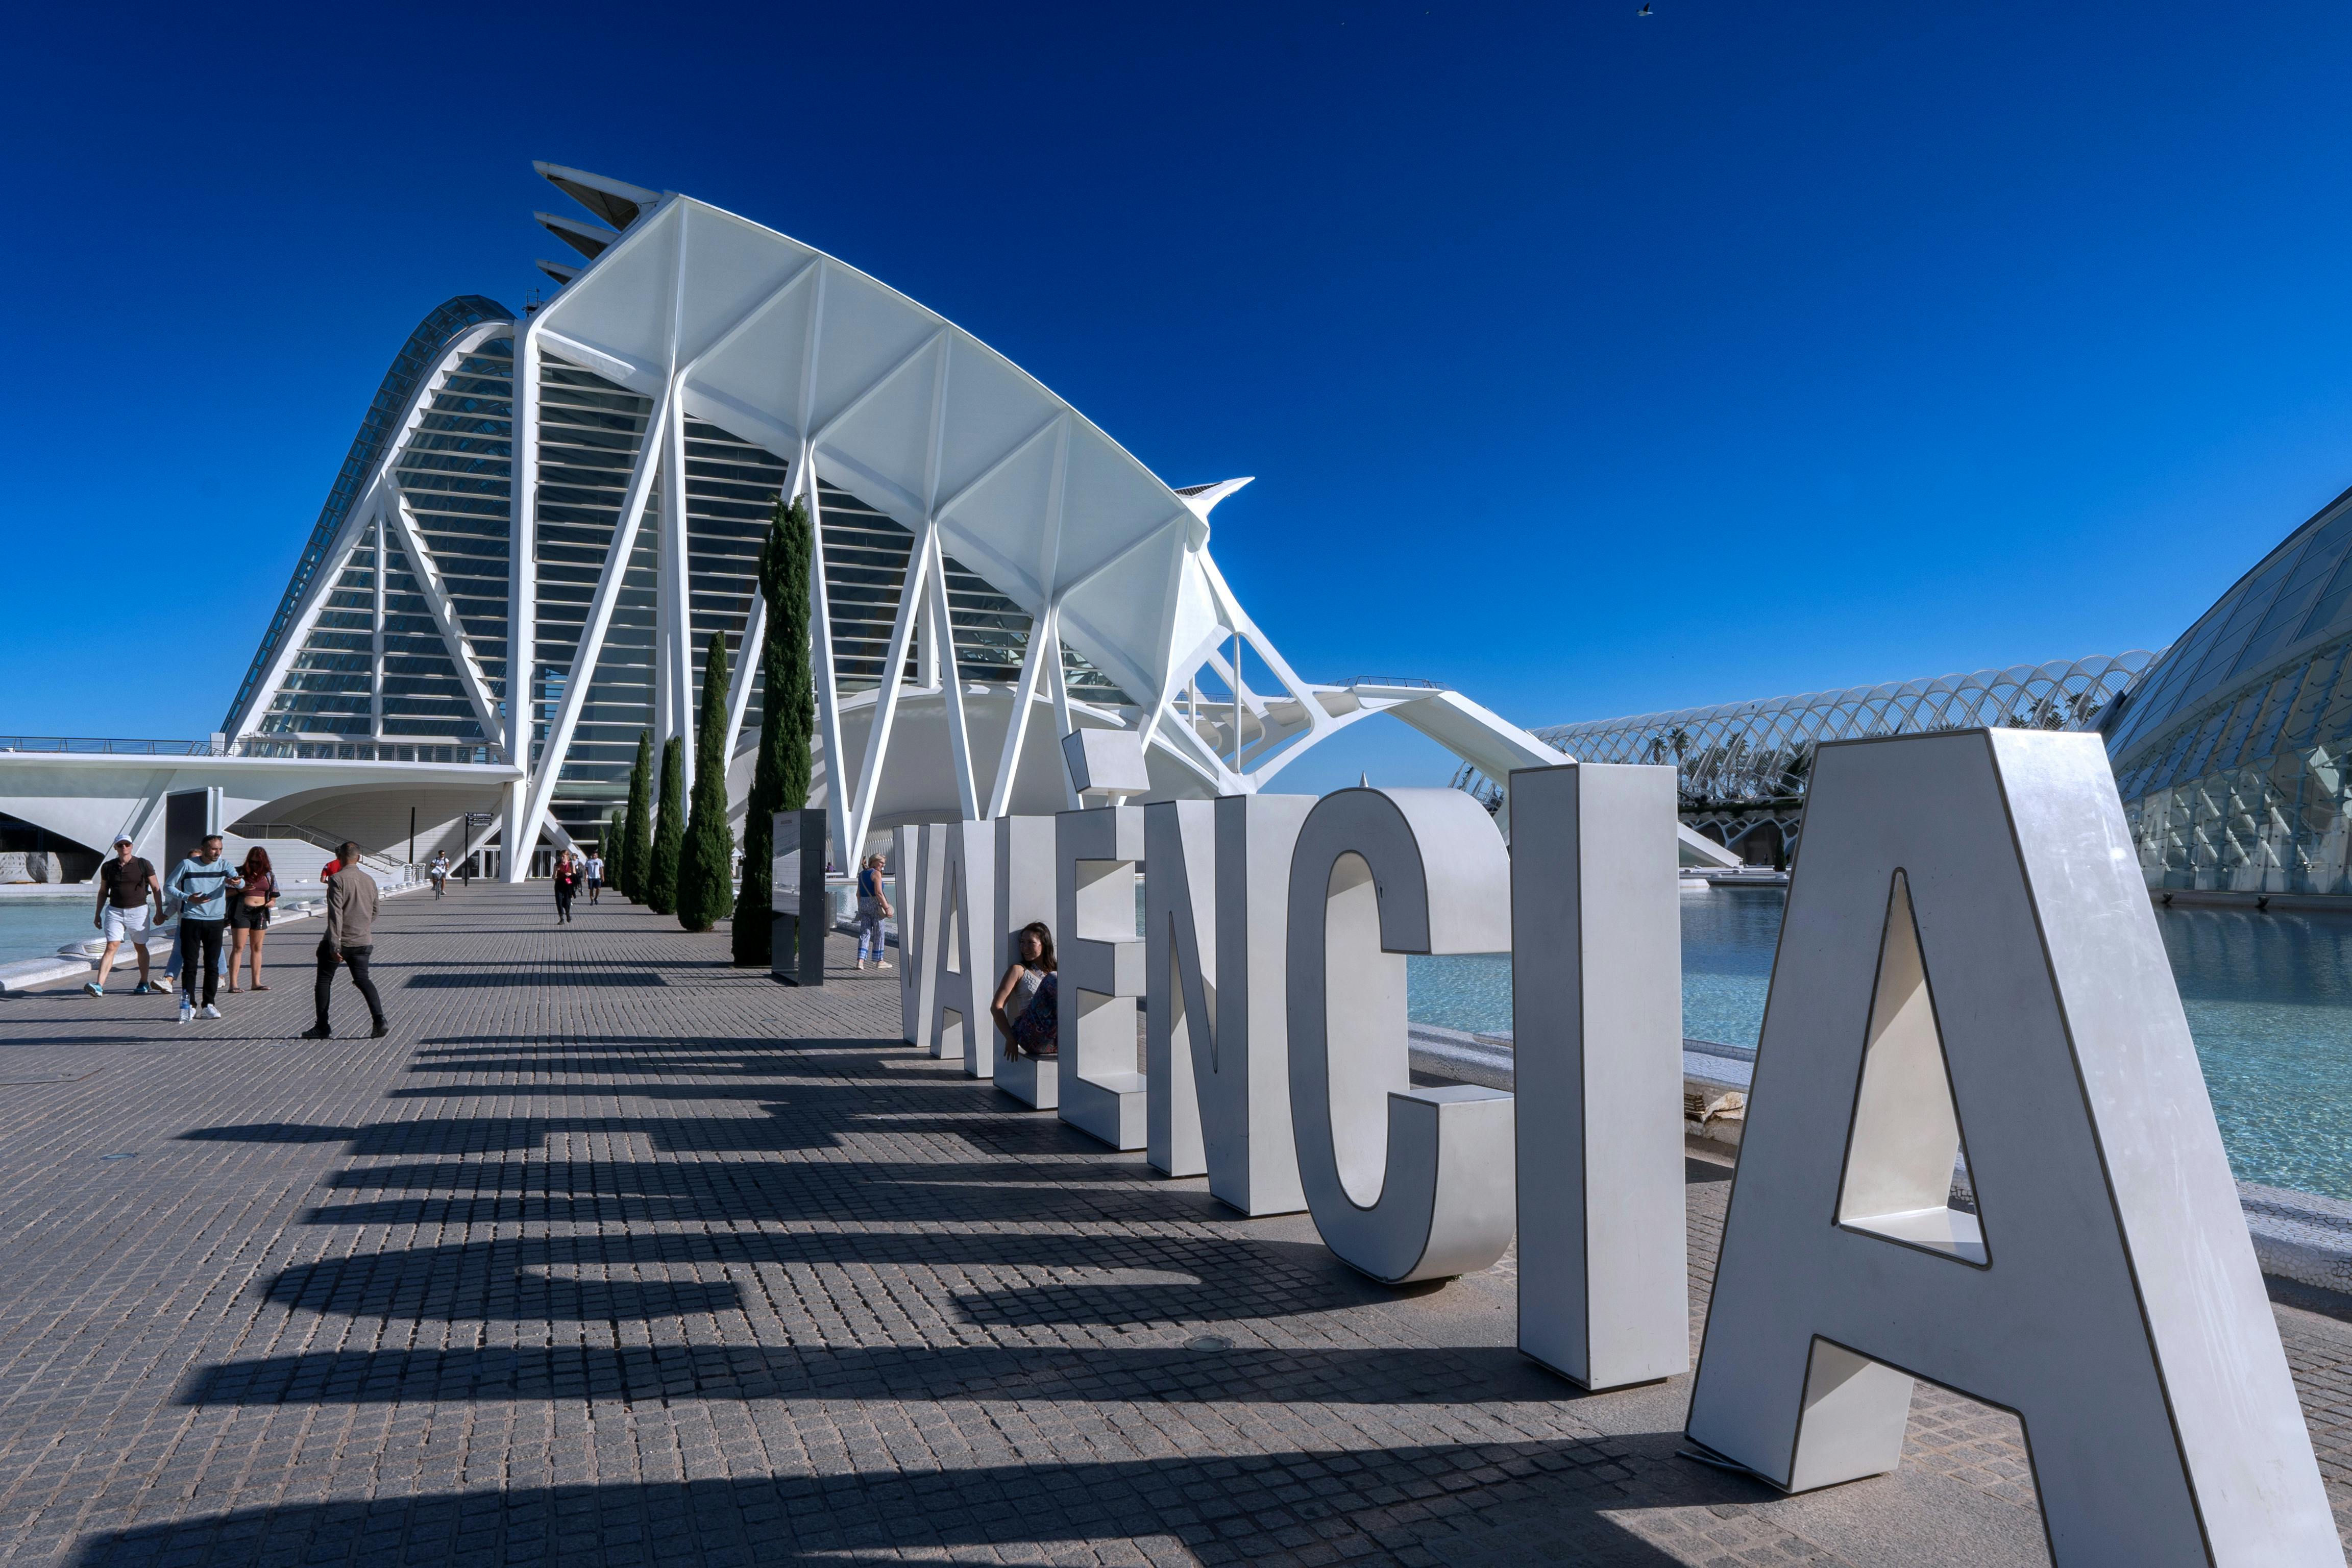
column 350, row 940
column 127, row 886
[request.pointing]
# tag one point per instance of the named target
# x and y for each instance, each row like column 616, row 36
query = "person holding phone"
column 248, row 916
column 203, row 883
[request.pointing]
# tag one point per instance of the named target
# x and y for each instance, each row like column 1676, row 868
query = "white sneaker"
column 186, row 1012
column 163, row 983
column 210, row 1011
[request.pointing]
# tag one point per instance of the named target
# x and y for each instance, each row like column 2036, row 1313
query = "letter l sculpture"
column 1596, row 1027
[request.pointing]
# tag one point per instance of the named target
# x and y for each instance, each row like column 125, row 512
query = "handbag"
column 1038, row 1029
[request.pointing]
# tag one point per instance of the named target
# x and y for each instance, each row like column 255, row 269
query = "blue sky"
column 1591, row 363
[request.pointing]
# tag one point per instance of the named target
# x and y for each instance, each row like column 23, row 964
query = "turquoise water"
column 2269, row 1000
column 36, row 928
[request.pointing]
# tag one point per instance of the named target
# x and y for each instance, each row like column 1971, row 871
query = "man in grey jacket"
column 349, row 939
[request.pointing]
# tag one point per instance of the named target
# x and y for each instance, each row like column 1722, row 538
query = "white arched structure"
column 528, row 559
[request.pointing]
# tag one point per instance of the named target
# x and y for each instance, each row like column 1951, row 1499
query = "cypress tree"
column 669, row 832
column 616, row 833
column 637, row 849
column 705, row 880
column 787, row 722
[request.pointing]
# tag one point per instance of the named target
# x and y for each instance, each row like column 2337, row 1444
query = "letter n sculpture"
column 1970, row 966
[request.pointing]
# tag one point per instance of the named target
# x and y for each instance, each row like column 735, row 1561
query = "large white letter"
column 919, row 853
column 1404, row 1184
column 1596, row 1018
column 1215, row 1025
column 1025, row 892
column 1095, row 853
column 1970, row 960
column 964, row 941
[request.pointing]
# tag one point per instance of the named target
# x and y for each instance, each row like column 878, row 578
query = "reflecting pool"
column 38, row 927
column 2269, row 999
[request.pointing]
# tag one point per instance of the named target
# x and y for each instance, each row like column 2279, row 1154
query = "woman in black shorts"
column 248, row 915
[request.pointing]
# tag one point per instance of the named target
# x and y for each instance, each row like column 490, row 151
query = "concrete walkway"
column 612, row 1254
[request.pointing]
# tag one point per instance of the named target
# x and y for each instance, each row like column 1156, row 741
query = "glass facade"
column 2230, row 753
column 414, row 361
column 1746, row 755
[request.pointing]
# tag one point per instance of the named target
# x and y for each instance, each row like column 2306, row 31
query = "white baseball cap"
column 122, row 838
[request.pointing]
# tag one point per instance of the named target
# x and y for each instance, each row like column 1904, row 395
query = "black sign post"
column 802, row 912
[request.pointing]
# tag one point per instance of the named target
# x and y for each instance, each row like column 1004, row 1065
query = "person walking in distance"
column 127, row 886
column 203, row 883
column 440, row 873
column 350, row 940
column 595, row 874
column 873, row 909
column 248, row 915
column 567, row 882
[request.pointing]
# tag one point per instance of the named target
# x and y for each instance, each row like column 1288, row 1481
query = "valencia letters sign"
column 1969, row 967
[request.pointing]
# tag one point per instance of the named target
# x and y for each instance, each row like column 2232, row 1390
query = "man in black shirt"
column 126, row 885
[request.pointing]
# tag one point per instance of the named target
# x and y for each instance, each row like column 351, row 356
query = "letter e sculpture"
column 1102, row 970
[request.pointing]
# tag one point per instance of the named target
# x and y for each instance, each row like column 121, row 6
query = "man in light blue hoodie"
column 203, row 883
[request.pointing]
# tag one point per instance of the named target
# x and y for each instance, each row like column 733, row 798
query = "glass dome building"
column 2229, row 753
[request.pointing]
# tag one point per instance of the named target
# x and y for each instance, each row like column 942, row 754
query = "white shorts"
column 127, row 925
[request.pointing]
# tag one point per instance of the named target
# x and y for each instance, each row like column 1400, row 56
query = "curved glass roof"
column 2297, row 595
column 1749, row 753
column 415, row 359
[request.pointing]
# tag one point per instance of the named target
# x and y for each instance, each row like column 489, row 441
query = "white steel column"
column 886, row 696
column 675, row 664
column 592, row 647
column 522, row 550
column 951, row 685
column 522, row 589
column 427, row 574
column 1045, row 636
column 828, row 687
column 375, row 682
column 747, row 666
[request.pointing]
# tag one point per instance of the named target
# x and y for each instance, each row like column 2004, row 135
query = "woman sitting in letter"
column 1026, row 1010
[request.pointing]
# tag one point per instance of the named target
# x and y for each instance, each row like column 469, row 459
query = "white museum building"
column 545, row 518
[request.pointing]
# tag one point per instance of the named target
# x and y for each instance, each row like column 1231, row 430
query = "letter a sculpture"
column 1969, row 963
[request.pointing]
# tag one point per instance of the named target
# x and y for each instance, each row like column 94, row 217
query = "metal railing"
column 1413, row 683
column 289, row 747
column 402, row 869
column 297, row 748
column 90, row 745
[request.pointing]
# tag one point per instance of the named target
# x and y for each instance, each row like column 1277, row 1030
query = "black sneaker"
column 380, row 1031
column 315, row 1033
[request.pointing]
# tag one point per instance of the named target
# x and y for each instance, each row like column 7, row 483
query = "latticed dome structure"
column 2230, row 753
column 1743, row 765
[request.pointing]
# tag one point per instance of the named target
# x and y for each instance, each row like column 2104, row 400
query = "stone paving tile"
column 612, row 1253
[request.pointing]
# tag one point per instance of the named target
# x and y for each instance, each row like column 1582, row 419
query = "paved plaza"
column 612, row 1254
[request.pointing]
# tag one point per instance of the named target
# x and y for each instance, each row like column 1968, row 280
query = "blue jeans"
column 869, row 936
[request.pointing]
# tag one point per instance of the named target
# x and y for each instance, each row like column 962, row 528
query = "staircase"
column 298, row 853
